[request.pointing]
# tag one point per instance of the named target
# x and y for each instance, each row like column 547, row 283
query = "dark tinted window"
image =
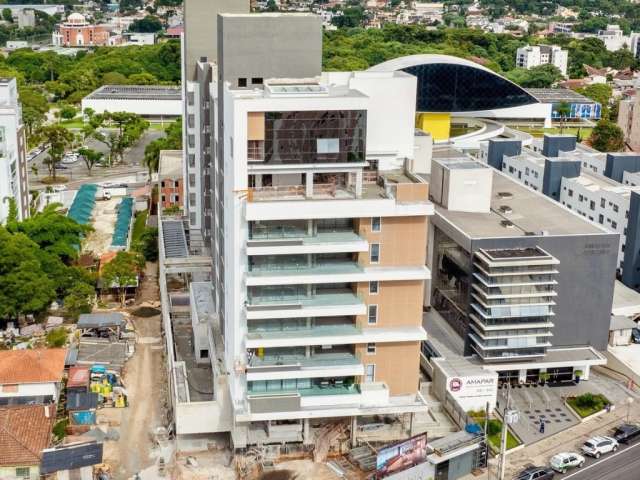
column 458, row 88
column 293, row 137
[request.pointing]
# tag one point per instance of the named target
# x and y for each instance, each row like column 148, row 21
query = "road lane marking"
column 598, row 462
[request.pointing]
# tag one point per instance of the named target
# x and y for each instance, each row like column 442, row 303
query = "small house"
column 31, row 376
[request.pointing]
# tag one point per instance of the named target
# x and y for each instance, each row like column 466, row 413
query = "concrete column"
column 354, row 431
column 359, row 184
column 310, row 231
column 306, row 432
column 585, row 372
column 522, row 376
column 309, row 184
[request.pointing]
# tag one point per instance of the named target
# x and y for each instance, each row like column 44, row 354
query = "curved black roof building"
column 455, row 85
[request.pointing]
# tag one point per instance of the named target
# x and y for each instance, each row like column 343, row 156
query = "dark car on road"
column 627, row 432
column 535, row 473
column 635, row 335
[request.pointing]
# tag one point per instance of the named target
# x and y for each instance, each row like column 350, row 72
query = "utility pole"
column 508, row 417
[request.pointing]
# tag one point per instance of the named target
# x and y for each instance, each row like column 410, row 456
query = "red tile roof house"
column 31, row 376
column 25, row 430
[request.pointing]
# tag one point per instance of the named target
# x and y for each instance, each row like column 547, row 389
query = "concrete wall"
column 554, row 172
column 155, row 108
column 630, row 272
column 585, row 283
column 200, row 32
column 269, row 45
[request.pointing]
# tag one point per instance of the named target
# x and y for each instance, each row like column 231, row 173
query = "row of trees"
column 171, row 141
column 357, row 49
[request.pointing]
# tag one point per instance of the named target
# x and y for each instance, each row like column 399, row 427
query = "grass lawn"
column 138, row 226
column 73, row 123
column 494, row 429
column 587, row 404
column 585, row 132
column 52, row 181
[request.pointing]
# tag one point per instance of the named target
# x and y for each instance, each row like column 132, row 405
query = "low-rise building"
column 580, row 107
column 170, row 179
column 25, row 431
column 31, row 376
column 629, row 121
column 77, row 31
column 535, row 55
column 150, row 101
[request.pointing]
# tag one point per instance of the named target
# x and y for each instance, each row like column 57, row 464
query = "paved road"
column 622, row 465
column 77, row 172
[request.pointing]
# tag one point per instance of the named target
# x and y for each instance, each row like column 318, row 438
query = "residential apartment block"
column 14, row 182
column 598, row 186
column 303, row 187
column 535, row 55
column 629, row 121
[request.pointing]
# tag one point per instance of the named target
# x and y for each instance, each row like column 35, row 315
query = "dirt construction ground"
column 104, row 221
column 144, row 379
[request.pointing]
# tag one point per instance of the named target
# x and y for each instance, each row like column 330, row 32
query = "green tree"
column 24, row 286
column 122, row 273
column 607, row 137
column 90, row 157
column 599, row 92
column 171, row 141
column 148, row 245
column 563, row 109
column 68, row 112
column 6, row 15
column 57, row 139
column 124, row 130
column 145, row 78
column 57, row 337
column 79, row 300
column 148, row 24
column 114, row 78
column 542, row 76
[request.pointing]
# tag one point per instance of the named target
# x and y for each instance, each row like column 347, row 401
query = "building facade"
column 535, row 55
column 629, row 121
column 506, row 277
column 77, row 31
column 14, row 181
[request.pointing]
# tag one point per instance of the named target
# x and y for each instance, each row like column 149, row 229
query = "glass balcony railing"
column 318, row 360
column 286, row 267
column 294, row 234
column 316, row 300
column 319, row 331
column 314, row 390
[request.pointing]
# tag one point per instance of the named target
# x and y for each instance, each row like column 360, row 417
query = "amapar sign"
column 474, row 391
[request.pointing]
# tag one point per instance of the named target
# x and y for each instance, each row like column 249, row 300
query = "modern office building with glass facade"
column 519, row 279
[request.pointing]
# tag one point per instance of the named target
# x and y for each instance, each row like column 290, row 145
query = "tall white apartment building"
column 316, row 220
column 533, row 56
column 13, row 164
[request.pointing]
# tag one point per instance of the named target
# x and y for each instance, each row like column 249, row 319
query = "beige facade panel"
column 412, row 192
column 396, row 364
column 399, row 304
column 255, row 126
column 402, row 241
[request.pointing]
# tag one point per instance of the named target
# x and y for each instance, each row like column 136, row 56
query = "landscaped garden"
column 494, row 430
column 588, row 403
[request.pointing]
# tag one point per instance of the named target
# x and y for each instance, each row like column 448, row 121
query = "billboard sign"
column 401, row 456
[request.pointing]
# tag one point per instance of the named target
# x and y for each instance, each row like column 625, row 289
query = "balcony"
column 283, row 242
column 302, row 306
column 300, row 366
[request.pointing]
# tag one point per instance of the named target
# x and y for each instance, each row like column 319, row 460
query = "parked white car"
column 566, row 461
column 59, row 188
column 596, row 446
column 71, row 157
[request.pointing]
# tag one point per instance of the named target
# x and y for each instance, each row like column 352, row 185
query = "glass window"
column 328, row 145
column 371, row 348
column 256, row 81
column 461, row 88
column 376, row 224
column 242, row 82
column 370, row 373
column 372, row 314
column 373, row 288
column 315, row 136
column 374, row 253
column 23, row 472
